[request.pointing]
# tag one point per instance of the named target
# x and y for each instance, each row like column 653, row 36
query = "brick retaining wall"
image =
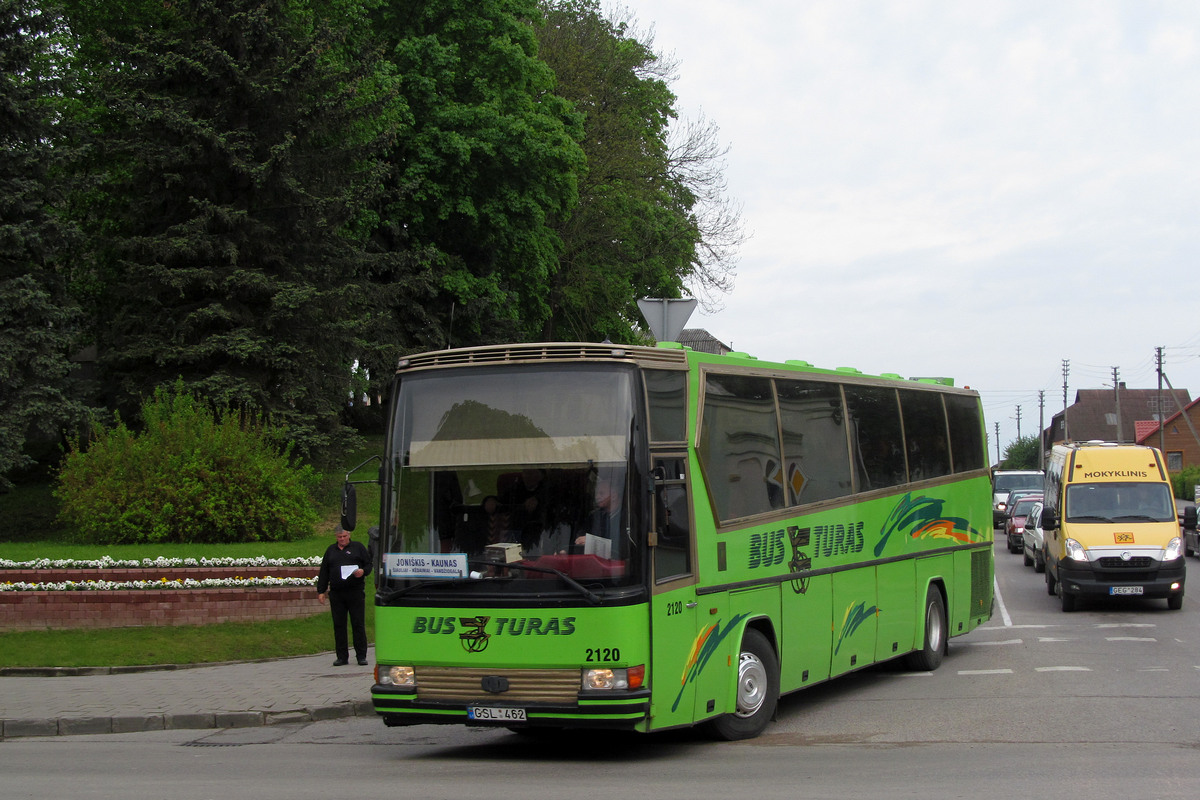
column 58, row 575
column 38, row 610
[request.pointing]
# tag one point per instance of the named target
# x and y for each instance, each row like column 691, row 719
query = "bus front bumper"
column 623, row 711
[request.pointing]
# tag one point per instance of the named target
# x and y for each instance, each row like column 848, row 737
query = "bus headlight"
column 608, row 679
column 391, row 675
column 1075, row 551
column 1174, row 549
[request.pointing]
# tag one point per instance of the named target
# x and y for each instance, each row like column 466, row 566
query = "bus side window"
column 672, row 520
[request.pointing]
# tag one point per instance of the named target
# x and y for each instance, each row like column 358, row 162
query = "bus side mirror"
column 1189, row 518
column 349, row 507
column 1049, row 519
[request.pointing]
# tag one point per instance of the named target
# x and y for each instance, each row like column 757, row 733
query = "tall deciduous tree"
column 38, row 322
column 652, row 219
column 237, row 150
column 485, row 160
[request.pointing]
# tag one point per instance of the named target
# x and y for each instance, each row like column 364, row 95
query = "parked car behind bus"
column 1014, row 523
column 1032, row 538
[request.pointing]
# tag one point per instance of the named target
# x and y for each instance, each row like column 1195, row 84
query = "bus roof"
column 664, row 355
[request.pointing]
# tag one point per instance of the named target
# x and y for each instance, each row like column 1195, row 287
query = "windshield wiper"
column 587, row 593
column 1087, row 518
column 1141, row 518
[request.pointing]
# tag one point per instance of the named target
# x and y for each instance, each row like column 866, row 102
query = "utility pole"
column 1162, row 416
column 1018, row 418
column 997, row 444
column 1066, row 369
column 1041, row 429
column 1117, row 393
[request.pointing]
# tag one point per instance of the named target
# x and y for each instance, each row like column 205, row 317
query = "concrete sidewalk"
column 56, row 702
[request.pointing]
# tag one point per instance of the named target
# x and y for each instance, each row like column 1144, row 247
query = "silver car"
column 1031, row 539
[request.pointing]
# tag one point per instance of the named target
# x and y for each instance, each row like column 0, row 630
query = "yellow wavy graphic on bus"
column 855, row 616
column 703, row 648
column 922, row 518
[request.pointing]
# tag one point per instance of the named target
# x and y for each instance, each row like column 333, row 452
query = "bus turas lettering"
column 838, row 540
column 503, row 626
column 770, row 549
column 531, row 626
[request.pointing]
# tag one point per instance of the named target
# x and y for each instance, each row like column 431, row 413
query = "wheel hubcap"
column 935, row 628
column 752, row 685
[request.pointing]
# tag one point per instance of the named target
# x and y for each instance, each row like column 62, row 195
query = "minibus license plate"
column 488, row 713
column 1124, row 590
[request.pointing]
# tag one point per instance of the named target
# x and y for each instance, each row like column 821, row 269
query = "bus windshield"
column 512, row 480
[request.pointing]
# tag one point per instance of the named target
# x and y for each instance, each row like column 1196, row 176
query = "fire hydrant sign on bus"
column 426, row 565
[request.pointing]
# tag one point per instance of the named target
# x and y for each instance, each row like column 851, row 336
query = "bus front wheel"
column 929, row 657
column 757, row 690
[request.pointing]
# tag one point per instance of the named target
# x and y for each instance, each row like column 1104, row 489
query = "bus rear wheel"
column 929, row 657
column 757, row 690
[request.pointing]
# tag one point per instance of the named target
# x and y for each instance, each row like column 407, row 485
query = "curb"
column 78, row 726
column 71, row 672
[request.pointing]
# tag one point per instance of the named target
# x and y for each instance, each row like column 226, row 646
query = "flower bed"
column 108, row 593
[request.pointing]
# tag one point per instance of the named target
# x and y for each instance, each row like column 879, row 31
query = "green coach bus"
column 643, row 538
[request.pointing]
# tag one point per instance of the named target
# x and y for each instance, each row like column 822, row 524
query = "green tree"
column 236, row 149
column 38, row 322
column 1022, row 453
column 486, row 157
column 652, row 219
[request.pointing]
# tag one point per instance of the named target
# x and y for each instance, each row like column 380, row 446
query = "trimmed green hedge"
column 1185, row 482
column 191, row 475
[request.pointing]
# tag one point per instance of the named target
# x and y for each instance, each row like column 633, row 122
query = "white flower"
column 187, row 583
column 107, row 562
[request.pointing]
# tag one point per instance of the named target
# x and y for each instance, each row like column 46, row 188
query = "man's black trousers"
column 349, row 603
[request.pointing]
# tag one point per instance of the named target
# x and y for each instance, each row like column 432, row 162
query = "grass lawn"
column 32, row 531
column 185, row 644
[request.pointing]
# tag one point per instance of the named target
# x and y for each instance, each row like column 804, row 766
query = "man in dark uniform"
column 345, row 565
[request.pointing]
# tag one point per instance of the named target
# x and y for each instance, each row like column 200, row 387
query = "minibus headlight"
column 392, row 675
column 1075, row 551
column 607, row 679
column 1174, row 549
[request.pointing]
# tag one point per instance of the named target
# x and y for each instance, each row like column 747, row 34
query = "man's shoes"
column 362, row 662
column 341, row 662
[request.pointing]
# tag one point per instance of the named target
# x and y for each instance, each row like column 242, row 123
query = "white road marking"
column 1000, row 602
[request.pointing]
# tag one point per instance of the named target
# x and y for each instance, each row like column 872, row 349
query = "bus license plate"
column 1124, row 590
column 490, row 714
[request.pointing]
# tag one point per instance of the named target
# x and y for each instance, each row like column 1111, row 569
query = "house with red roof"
column 1178, row 437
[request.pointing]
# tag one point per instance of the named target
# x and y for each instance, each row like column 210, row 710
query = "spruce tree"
column 236, row 148
column 38, row 321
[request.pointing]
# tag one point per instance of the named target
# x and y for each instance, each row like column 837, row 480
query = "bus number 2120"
column 603, row 654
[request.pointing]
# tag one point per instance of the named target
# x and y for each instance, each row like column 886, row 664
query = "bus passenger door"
column 673, row 603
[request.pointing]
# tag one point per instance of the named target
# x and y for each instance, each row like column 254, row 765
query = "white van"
column 1005, row 481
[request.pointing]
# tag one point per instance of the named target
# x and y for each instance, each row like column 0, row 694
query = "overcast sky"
column 972, row 189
